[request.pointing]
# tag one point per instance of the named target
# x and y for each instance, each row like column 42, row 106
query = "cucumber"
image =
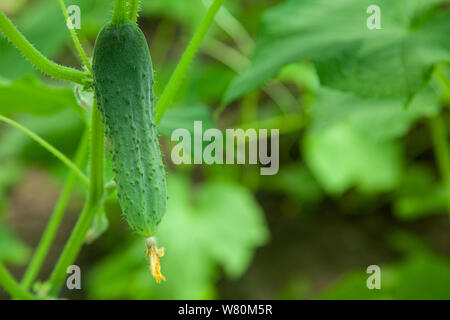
column 123, row 84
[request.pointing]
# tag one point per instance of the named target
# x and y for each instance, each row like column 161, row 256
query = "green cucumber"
column 123, row 84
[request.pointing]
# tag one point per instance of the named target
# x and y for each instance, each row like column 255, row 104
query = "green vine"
column 94, row 199
column 180, row 72
column 38, row 59
column 55, row 219
column 58, row 154
column 75, row 39
column 12, row 287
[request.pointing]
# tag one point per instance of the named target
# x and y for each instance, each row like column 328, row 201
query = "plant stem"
column 177, row 77
column 120, row 11
column 38, row 59
column 75, row 39
column 443, row 82
column 56, row 217
column 441, row 150
column 95, row 195
column 133, row 10
column 228, row 23
column 58, row 154
column 12, row 287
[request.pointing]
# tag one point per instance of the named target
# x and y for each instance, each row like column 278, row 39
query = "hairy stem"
column 12, row 287
column 38, row 59
column 120, row 13
column 58, row 154
column 74, row 36
column 133, row 10
column 177, row 77
column 58, row 212
column 95, row 196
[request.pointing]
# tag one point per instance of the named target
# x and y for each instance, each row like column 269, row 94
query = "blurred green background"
column 364, row 176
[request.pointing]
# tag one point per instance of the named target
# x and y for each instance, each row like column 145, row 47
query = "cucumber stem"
column 120, row 13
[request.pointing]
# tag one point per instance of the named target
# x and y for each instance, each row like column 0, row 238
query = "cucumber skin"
column 123, row 84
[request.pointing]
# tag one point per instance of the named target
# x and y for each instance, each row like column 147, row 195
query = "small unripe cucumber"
column 123, row 84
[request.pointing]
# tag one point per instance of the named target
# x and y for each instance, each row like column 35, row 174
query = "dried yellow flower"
column 154, row 254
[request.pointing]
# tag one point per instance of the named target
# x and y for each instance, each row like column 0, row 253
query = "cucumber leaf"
column 393, row 62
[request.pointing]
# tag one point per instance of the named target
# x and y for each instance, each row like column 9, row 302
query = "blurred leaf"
column 380, row 119
column 201, row 88
column 43, row 25
column 419, row 194
column 392, row 62
column 352, row 286
column 62, row 130
column 422, row 275
column 303, row 75
column 216, row 224
column 10, row 173
column 295, row 289
column 12, row 250
column 342, row 157
column 27, row 95
column 183, row 11
column 295, row 180
column 184, row 117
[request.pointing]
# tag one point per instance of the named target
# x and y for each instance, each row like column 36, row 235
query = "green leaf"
column 392, row 62
column 12, row 250
column 380, row 119
column 184, row 117
column 62, row 130
column 422, row 275
column 186, row 12
column 352, row 286
column 295, row 180
column 43, row 25
column 27, row 95
column 419, row 194
column 212, row 224
column 342, row 157
column 10, row 173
